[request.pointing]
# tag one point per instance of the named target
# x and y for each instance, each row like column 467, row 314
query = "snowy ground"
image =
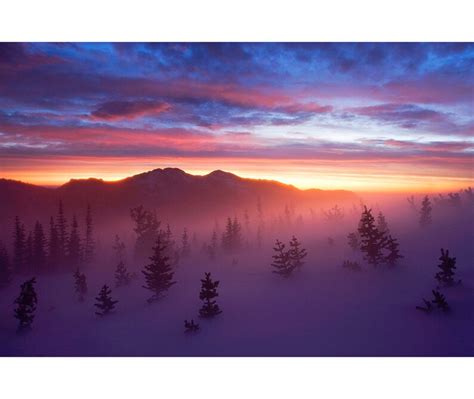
column 322, row 311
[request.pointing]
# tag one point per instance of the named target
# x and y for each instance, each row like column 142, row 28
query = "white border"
column 244, row 20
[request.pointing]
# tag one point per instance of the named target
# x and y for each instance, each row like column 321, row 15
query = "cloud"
column 116, row 110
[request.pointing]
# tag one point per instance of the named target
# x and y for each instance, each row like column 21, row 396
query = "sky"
column 357, row 116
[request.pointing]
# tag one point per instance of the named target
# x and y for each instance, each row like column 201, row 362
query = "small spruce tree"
column 122, row 276
column 382, row 225
column 372, row 240
column 39, row 249
column 185, row 249
column 158, row 274
column 208, row 292
column 440, row 301
column 281, row 260
column 353, row 266
column 448, row 265
column 105, row 303
column 394, row 253
column 74, row 245
column 19, row 247
column 53, row 246
column 425, row 212
column 89, row 240
column 80, row 284
column 5, row 270
column 26, row 305
column 296, row 253
column 353, row 240
column 190, row 326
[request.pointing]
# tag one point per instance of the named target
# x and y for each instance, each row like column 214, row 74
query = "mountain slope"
column 173, row 193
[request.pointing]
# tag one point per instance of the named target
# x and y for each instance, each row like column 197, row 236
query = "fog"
column 319, row 309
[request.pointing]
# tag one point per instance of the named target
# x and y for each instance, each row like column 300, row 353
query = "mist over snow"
column 320, row 309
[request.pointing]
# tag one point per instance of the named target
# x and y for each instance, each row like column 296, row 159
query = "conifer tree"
column 147, row 228
column 353, row 240
column 122, row 276
column 53, row 246
column 428, row 308
column 89, row 240
column 214, row 244
column 185, row 250
column 158, row 274
column 26, row 305
column 74, row 245
column 372, row 240
column 39, row 249
column 448, row 265
column 19, row 247
column 80, row 284
column 382, row 225
column 29, row 257
column 296, row 253
column 119, row 249
column 353, row 266
column 62, row 233
column 5, row 268
column 394, row 253
column 236, row 234
column 425, row 212
column 208, row 292
column 227, row 236
column 281, row 260
column 259, row 237
column 190, row 326
column 105, row 304
column 440, row 301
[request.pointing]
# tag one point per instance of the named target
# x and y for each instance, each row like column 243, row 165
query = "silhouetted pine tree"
column 353, row 240
column 158, row 274
column 425, row 212
column 440, row 301
column 372, row 240
column 259, row 237
column 147, row 228
column 105, row 303
column 428, row 308
column 26, row 305
column 89, row 240
column 29, row 258
column 5, row 267
column 208, row 292
column 185, row 249
column 227, row 236
column 353, row 266
column 447, row 266
column 119, row 249
column 54, row 250
column 190, row 326
column 19, row 247
column 296, row 253
column 394, row 253
column 213, row 246
column 62, row 233
column 39, row 249
column 74, row 245
column 80, row 284
column 382, row 225
column 122, row 276
column 281, row 260
column 236, row 234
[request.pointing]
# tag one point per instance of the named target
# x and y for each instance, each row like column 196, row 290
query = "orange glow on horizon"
column 329, row 175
